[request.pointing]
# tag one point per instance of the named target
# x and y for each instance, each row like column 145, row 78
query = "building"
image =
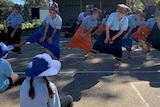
column 69, row 9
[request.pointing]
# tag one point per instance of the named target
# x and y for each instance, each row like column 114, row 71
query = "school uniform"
column 5, row 72
column 115, row 25
column 144, row 30
column 53, row 24
column 135, row 23
column 41, row 93
column 13, row 20
column 101, row 28
column 77, row 41
column 153, row 38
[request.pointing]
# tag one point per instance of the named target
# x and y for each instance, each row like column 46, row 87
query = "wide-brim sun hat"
column 43, row 65
column 122, row 8
column 4, row 49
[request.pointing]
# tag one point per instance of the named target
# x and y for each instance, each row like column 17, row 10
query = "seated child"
column 7, row 76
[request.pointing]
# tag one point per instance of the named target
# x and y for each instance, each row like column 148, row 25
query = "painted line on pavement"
column 139, row 94
column 98, row 72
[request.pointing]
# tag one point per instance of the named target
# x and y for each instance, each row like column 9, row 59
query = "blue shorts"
column 6, row 84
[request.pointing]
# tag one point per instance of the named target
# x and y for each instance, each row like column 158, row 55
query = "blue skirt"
column 127, row 43
column 53, row 47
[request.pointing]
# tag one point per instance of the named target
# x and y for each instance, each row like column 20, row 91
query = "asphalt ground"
column 96, row 82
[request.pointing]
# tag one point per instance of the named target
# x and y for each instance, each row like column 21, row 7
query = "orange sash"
column 99, row 30
column 78, row 42
column 142, row 33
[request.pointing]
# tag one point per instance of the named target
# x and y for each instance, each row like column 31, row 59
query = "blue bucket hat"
column 4, row 49
column 42, row 65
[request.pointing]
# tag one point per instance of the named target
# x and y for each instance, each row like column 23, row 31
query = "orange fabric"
column 142, row 33
column 99, row 30
column 78, row 42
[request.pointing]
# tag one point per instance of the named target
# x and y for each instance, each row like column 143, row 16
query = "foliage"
column 135, row 4
column 26, row 25
column 5, row 8
column 158, row 4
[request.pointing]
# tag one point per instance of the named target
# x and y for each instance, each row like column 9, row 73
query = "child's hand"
column 6, row 30
column 50, row 40
column 12, row 34
column 83, row 36
column 125, row 36
column 42, row 39
column 106, row 40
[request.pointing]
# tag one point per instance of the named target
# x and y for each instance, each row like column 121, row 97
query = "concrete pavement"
column 96, row 82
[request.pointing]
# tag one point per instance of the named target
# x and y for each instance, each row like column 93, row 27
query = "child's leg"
column 20, row 45
column 14, row 77
column 89, row 55
column 129, row 54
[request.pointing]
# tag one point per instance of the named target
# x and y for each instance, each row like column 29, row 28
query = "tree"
column 135, row 4
column 5, row 8
column 33, row 4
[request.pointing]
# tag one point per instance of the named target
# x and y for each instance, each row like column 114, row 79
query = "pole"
column 49, row 3
column 81, row 5
column 100, row 4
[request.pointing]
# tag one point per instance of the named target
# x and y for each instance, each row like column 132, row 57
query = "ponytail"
column 31, row 90
column 50, row 91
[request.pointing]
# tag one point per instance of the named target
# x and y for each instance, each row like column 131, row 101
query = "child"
column 153, row 38
column 145, row 29
column 82, row 37
column 110, row 40
column 13, row 28
column 49, row 33
column 101, row 27
column 134, row 21
column 36, row 90
column 7, row 76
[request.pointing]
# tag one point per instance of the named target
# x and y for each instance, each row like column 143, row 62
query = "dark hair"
column 139, row 11
column 16, row 6
column 32, row 92
column 96, row 10
column 54, row 8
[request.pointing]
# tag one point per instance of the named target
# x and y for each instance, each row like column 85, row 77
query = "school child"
column 70, row 32
column 82, row 37
column 12, row 28
column 7, row 76
column 111, row 39
column 48, row 34
column 133, row 24
column 145, row 29
column 36, row 89
column 102, row 27
column 153, row 38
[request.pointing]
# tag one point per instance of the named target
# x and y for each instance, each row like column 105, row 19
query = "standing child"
column 7, row 76
column 134, row 21
column 13, row 28
column 102, row 27
column 145, row 29
column 82, row 37
column 153, row 38
column 36, row 90
column 48, row 34
column 111, row 39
